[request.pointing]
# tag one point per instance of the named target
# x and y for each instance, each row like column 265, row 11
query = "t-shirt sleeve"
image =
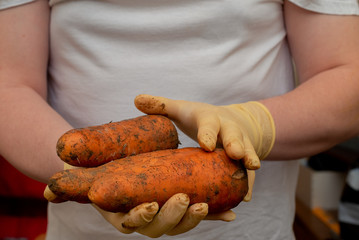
column 337, row 7
column 12, row 3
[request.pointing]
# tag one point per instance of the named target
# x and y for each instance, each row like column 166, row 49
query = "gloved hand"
column 175, row 216
column 246, row 131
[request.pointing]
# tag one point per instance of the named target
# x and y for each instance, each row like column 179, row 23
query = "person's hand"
column 246, row 131
column 175, row 217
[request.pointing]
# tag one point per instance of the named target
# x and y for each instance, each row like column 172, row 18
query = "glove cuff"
column 262, row 124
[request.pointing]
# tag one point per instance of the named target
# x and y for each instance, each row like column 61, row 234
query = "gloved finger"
column 68, row 166
column 226, row 216
column 238, row 146
column 251, row 160
column 155, row 105
column 194, row 215
column 208, row 126
column 134, row 219
column 179, row 111
column 232, row 140
column 251, row 177
column 52, row 197
column 168, row 217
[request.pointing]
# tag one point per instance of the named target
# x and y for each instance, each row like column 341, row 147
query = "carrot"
column 120, row 185
column 96, row 145
column 74, row 184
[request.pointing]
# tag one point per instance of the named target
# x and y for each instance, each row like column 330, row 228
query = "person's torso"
column 104, row 53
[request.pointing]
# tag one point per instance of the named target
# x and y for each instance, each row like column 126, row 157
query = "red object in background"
column 23, row 209
column 15, row 184
column 24, row 228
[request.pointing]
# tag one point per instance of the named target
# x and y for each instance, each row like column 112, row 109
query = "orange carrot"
column 74, row 184
column 96, row 145
column 119, row 186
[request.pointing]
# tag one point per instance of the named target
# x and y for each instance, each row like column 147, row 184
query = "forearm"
column 324, row 110
column 29, row 126
column 319, row 114
column 30, row 129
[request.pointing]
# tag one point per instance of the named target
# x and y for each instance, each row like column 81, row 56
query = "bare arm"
column 324, row 109
column 29, row 126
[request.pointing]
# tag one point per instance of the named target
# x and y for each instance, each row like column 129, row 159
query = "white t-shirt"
column 104, row 53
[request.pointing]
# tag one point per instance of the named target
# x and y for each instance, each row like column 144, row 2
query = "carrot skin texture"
column 95, row 145
column 74, row 184
column 203, row 176
column 209, row 177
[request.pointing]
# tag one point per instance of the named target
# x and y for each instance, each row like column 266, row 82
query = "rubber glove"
column 175, row 216
column 246, row 131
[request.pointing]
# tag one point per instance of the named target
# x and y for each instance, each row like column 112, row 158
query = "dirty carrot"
column 96, row 145
column 209, row 177
column 74, row 184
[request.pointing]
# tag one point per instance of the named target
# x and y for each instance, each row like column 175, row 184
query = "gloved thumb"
column 153, row 105
column 194, row 118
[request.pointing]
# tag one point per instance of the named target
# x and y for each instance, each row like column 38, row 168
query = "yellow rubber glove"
column 175, row 216
column 246, row 131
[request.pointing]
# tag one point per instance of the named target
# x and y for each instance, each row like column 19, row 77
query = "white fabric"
column 353, row 179
column 105, row 53
column 348, row 7
column 348, row 213
column 12, row 3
